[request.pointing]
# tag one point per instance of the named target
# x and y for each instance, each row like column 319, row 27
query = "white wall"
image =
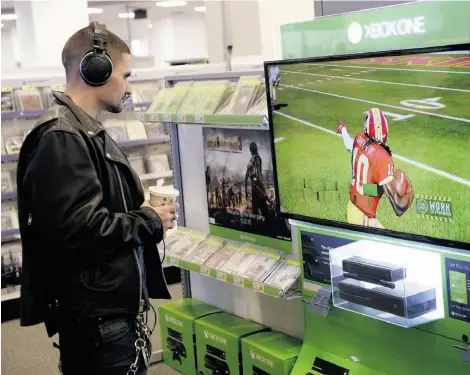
column 8, row 58
column 179, row 36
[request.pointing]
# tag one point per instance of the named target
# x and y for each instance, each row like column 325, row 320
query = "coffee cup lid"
column 167, row 191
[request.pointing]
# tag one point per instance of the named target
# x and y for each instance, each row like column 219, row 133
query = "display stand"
column 247, row 302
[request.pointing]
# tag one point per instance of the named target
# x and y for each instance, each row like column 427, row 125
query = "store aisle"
column 28, row 351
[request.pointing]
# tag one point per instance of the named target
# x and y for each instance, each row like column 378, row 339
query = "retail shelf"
column 190, row 241
column 235, row 280
column 12, row 157
column 217, row 120
column 10, row 295
column 145, row 141
column 10, row 232
column 25, row 114
column 137, row 142
column 8, row 196
column 156, row 176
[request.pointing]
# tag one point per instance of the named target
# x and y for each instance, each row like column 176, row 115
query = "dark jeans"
column 99, row 347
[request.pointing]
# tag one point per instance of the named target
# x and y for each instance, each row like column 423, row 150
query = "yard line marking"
column 364, row 71
column 399, row 69
column 399, row 157
column 337, row 70
column 276, row 140
column 381, row 104
column 384, row 82
column 319, row 80
column 347, row 75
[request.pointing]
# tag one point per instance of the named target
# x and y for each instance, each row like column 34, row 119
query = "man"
column 373, row 172
column 254, row 172
column 274, row 79
column 90, row 260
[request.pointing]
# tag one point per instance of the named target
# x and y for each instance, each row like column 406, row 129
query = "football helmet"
column 375, row 125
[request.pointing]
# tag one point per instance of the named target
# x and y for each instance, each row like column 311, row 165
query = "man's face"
column 114, row 92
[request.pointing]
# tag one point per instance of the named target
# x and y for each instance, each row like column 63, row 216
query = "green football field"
column 428, row 111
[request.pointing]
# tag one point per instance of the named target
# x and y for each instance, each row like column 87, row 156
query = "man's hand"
column 340, row 127
column 167, row 214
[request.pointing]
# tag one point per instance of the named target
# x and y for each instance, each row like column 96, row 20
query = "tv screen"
column 376, row 142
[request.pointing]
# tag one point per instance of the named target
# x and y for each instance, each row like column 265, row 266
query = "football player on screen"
column 373, row 172
column 274, row 79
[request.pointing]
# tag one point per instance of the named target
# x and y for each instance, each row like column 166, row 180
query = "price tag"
column 174, row 262
column 221, row 276
column 58, row 86
column 199, row 118
column 181, row 117
column 8, row 89
column 258, row 287
column 166, row 117
column 205, row 271
column 239, row 281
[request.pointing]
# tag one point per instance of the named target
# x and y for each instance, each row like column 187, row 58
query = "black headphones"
column 96, row 66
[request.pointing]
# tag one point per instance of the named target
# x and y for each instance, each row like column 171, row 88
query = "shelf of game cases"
column 261, row 269
column 217, row 103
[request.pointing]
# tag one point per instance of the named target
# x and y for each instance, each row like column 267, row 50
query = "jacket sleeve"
column 66, row 200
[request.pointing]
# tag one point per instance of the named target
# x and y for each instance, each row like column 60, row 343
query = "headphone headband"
column 100, row 37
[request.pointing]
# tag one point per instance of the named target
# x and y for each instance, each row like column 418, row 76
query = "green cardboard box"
column 270, row 353
column 218, row 343
column 177, row 332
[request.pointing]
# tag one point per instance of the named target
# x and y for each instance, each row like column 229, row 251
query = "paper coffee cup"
column 162, row 195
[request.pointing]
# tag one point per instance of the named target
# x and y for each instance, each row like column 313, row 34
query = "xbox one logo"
column 355, row 32
column 166, row 317
column 206, row 334
column 253, row 354
column 422, row 206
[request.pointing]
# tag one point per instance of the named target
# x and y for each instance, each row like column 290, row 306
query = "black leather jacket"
column 80, row 220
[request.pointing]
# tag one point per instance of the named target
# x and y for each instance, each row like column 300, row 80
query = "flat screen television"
column 376, row 142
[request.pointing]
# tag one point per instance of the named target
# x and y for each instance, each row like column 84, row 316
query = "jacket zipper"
column 136, row 258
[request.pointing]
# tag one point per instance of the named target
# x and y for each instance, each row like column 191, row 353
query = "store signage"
column 260, row 358
column 385, row 29
column 212, row 336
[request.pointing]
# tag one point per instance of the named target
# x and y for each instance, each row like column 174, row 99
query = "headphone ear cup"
column 95, row 69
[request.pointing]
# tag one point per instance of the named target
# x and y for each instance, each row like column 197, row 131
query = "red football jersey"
column 370, row 165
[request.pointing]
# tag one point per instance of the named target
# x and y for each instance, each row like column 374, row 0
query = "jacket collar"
column 91, row 126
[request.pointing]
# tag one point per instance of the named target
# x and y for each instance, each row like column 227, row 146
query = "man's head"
column 110, row 97
column 253, row 148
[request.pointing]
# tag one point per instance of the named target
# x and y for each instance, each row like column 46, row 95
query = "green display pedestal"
column 218, row 342
column 270, row 353
column 177, row 333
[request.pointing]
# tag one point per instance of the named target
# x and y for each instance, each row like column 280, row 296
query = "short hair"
column 82, row 42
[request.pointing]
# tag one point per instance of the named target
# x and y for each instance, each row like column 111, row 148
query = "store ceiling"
column 9, row 6
column 111, row 9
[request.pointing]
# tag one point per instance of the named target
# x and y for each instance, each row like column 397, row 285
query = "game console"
column 215, row 352
column 407, row 300
column 327, row 368
column 373, row 270
column 175, row 334
column 258, row 371
column 217, row 366
column 177, row 348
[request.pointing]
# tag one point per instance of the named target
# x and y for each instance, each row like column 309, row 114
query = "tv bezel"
column 343, row 225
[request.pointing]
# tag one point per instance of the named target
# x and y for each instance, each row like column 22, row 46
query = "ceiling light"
column 150, row 25
column 95, row 10
column 170, row 3
column 200, row 9
column 2, row 25
column 126, row 15
column 9, row 17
